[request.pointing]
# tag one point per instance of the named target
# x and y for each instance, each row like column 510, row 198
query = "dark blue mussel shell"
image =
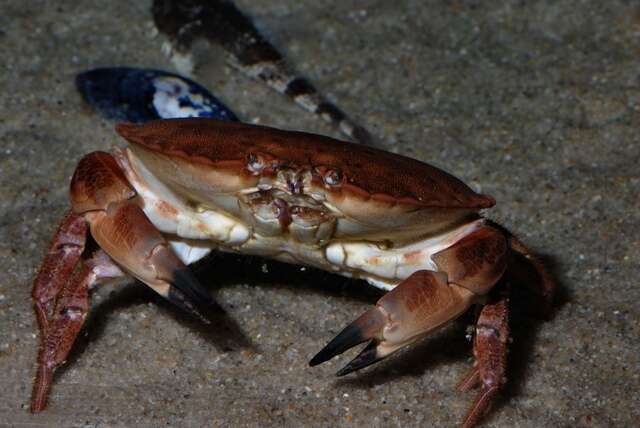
column 139, row 95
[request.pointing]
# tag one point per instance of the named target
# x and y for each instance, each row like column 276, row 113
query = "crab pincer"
column 101, row 193
column 417, row 306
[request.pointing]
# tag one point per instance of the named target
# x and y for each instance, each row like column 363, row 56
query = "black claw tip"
column 368, row 356
column 189, row 295
column 178, row 298
column 186, row 282
column 346, row 339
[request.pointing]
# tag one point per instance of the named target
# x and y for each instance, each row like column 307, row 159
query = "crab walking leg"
column 417, row 306
column 490, row 351
column 56, row 270
column 102, row 198
column 62, row 257
column 547, row 284
column 66, row 320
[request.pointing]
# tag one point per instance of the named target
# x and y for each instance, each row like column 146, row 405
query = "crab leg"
column 102, row 199
column 64, row 253
column 129, row 237
column 66, row 320
column 417, row 306
column 425, row 300
column 102, row 194
column 547, row 285
column 56, row 270
column 490, row 351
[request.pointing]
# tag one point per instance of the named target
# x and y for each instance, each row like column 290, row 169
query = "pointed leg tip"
column 41, row 388
column 34, row 410
column 37, row 407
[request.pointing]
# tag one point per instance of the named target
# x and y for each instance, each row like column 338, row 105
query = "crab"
column 185, row 187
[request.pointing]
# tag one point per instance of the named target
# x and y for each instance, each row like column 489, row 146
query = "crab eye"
column 332, row 177
column 255, row 163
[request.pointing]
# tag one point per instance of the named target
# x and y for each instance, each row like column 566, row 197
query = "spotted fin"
column 222, row 23
column 140, row 95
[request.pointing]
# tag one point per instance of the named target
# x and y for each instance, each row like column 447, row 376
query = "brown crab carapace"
column 184, row 187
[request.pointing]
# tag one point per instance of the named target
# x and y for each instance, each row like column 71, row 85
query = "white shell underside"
column 194, row 231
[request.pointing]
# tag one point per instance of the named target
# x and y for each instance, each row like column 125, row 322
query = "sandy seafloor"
column 535, row 103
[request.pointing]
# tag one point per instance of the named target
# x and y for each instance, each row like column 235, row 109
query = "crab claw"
column 178, row 285
column 368, row 326
column 417, row 306
column 101, row 193
column 127, row 235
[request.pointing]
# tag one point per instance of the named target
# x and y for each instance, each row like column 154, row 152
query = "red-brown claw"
column 369, row 355
column 127, row 235
column 420, row 304
column 368, row 326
